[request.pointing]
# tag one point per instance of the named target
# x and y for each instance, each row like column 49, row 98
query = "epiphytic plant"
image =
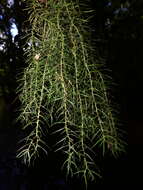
column 63, row 90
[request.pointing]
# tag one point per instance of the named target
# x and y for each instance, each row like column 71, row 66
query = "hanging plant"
column 62, row 89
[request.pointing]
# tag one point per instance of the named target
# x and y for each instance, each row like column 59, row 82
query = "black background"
column 122, row 46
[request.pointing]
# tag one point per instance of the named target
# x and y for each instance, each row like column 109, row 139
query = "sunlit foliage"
column 62, row 89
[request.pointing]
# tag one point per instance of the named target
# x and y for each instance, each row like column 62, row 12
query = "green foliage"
column 62, row 89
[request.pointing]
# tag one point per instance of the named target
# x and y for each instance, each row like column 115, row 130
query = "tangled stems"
column 62, row 89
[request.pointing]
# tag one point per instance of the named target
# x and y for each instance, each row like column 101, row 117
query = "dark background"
column 118, row 31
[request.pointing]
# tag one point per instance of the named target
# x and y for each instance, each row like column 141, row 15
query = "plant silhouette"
column 62, row 89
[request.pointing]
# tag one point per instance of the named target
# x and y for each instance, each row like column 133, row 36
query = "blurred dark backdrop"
column 118, row 31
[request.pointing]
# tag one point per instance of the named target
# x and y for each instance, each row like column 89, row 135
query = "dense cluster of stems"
column 62, row 89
